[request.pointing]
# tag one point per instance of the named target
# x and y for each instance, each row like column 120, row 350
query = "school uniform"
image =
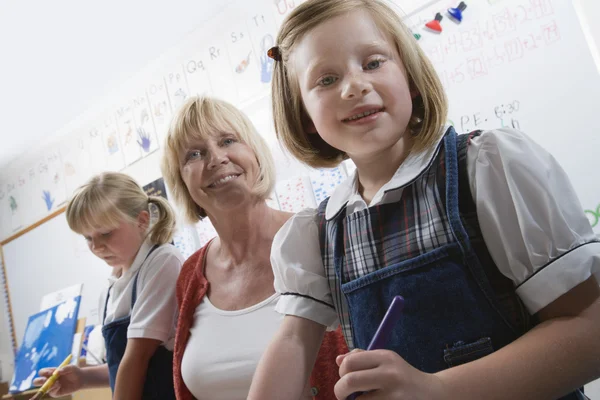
column 478, row 234
column 141, row 303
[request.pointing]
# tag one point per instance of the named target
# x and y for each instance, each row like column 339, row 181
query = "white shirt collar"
column 137, row 262
column 412, row 167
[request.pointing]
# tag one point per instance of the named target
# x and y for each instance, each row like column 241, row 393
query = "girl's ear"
column 143, row 220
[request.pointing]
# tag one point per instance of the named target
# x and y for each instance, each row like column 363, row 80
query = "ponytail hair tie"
column 274, row 53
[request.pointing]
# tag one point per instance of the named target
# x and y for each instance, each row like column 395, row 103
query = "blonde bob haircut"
column 197, row 119
column 429, row 106
column 110, row 198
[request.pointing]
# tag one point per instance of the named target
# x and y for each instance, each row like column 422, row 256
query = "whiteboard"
column 522, row 64
column 49, row 258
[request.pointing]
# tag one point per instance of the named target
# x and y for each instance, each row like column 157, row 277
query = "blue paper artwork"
column 324, row 181
column 266, row 62
column 47, row 197
column 144, row 140
column 48, row 341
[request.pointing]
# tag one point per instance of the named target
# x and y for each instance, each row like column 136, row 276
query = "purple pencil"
column 381, row 337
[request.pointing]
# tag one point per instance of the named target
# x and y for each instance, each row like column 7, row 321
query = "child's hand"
column 70, row 379
column 387, row 375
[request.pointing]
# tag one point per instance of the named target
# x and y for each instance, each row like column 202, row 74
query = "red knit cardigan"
column 191, row 288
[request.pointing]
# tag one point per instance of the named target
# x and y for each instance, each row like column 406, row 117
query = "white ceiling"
column 57, row 58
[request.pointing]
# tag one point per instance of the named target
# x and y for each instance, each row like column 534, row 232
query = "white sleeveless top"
column 225, row 347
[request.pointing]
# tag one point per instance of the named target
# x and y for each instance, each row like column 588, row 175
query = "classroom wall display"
column 504, row 41
column 46, row 343
column 493, row 65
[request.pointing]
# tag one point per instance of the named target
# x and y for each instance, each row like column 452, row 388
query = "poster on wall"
column 243, row 60
column 4, row 212
column 98, row 159
column 295, row 194
column 281, row 9
column 146, row 137
column 75, row 158
column 51, row 185
column 14, row 202
column 159, row 105
column 113, row 152
column 323, row 181
column 127, row 133
column 220, row 68
column 263, row 30
column 177, row 87
column 195, row 71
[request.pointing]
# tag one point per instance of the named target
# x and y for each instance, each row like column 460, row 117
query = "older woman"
column 218, row 167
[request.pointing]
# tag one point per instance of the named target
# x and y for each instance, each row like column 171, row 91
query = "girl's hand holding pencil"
column 69, row 379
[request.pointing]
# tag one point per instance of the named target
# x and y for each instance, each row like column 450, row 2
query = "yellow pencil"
column 46, row 386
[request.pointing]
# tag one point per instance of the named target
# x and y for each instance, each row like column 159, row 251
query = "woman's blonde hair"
column 429, row 106
column 112, row 197
column 197, row 119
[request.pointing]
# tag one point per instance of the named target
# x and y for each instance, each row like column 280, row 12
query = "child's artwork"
column 221, row 66
column 295, row 194
column 75, row 158
column 146, row 132
column 281, row 8
column 244, row 60
column 206, row 231
column 98, row 159
column 14, row 196
column 115, row 160
column 48, row 341
column 185, row 241
column 51, row 180
column 195, row 71
column 161, row 110
column 129, row 135
column 324, row 181
column 262, row 29
column 177, row 87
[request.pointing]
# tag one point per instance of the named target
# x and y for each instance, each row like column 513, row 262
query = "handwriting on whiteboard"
column 508, row 35
column 506, row 116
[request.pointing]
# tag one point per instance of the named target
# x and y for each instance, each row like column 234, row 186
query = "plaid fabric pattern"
column 372, row 241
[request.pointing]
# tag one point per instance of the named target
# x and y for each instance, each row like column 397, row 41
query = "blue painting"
column 48, row 341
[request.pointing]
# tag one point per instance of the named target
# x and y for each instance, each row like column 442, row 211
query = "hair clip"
column 274, row 53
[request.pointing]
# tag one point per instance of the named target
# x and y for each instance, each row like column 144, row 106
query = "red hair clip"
column 274, row 53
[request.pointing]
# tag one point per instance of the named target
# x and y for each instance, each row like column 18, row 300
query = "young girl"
column 482, row 235
column 139, row 309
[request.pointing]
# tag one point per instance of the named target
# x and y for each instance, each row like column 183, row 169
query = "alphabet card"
column 159, row 106
column 177, row 87
column 244, row 60
column 75, row 157
column 50, row 184
column 128, row 134
column 146, row 137
column 115, row 160
column 98, row 159
column 195, row 71
column 263, row 30
column 220, row 67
